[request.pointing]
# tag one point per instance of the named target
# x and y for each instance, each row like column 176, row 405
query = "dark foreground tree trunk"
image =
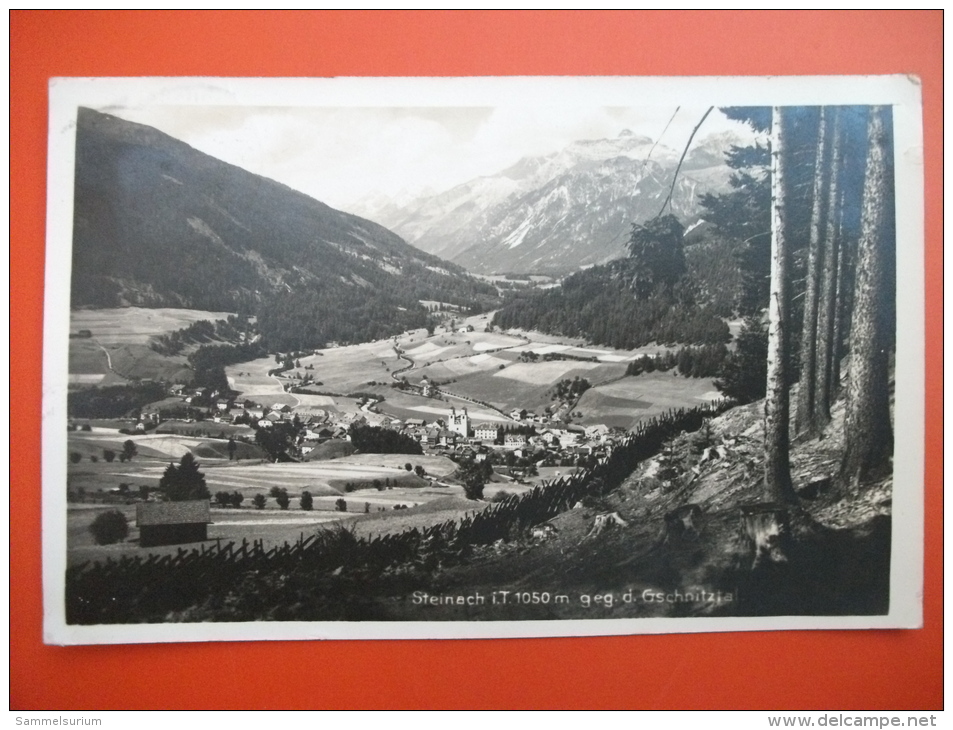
column 869, row 436
column 777, row 467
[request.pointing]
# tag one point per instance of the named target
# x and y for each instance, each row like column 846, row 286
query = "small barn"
column 172, row 523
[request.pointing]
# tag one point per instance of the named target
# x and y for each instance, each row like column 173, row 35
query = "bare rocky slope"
column 557, row 213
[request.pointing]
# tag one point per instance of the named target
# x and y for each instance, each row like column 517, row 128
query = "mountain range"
column 557, row 213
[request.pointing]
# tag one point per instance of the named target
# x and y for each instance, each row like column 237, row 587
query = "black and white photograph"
column 448, row 358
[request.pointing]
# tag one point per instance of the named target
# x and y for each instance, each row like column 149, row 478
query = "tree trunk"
column 840, row 302
column 827, row 297
column 805, row 424
column 777, row 468
column 869, row 436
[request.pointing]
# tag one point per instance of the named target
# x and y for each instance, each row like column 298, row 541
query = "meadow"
column 117, row 348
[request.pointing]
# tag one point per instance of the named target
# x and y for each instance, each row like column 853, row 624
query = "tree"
column 259, row 501
column 869, row 435
column 743, row 373
column 109, row 455
column 777, row 467
column 232, row 448
column 75, row 457
column 223, row 499
column 237, row 499
column 185, row 481
column 656, row 253
column 306, row 501
column 827, row 348
column 283, row 499
column 377, row 440
column 109, row 527
column 129, row 449
column 474, row 476
column 340, row 505
column 276, row 439
column 806, row 423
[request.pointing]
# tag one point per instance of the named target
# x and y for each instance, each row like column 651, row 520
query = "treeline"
column 209, row 362
column 601, row 306
column 228, row 330
column 345, row 310
column 377, row 440
column 112, row 401
column 705, row 361
column 320, row 315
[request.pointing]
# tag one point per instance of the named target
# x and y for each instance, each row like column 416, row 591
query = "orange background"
column 772, row 670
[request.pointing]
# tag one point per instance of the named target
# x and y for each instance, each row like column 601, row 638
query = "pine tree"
column 827, row 298
column 806, row 425
column 869, row 436
column 185, row 481
column 777, row 468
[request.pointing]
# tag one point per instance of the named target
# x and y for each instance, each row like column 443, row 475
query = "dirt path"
column 286, row 391
column 410, row 364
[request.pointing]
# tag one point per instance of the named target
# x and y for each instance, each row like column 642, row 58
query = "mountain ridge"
column 475, row 224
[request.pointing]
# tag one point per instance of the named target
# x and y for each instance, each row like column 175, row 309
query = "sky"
column 342, row 155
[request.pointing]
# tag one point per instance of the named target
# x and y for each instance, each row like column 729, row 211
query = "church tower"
column 459, row 423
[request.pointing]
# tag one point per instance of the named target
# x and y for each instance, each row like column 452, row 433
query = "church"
column 459, row 422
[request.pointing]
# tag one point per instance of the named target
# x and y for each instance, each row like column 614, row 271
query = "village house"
column 485, row 432
column 514, row 440
column 597, row 432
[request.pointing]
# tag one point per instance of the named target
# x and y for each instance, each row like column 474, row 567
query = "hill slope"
column 157, row 223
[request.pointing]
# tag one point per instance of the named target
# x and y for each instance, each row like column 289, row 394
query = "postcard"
column 392, row 358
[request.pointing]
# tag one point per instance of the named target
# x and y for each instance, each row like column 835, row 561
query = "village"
column 514, row 447
column 302, row 439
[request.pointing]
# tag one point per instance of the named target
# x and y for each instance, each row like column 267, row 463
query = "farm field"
column 118, row 349
column 135, row 325
column 625, row 402
column 271, row 526
column 157, row 445
column 349, row 369
column 251, row 477
column 529, row 385
column 407, row 405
